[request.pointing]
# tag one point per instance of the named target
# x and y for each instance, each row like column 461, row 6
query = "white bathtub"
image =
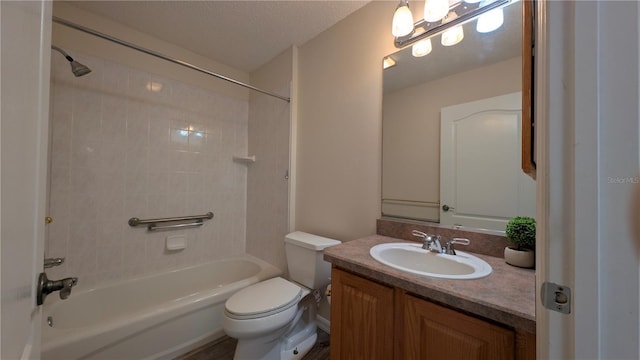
column 153, row 317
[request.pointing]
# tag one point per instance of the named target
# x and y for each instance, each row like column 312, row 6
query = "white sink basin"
column 410, row 257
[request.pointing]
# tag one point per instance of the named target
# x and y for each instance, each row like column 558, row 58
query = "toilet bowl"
column 276, row 318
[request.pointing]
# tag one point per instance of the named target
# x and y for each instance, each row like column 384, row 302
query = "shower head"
column 77, row 68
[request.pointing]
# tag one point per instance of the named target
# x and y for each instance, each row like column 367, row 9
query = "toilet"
column 276, row 318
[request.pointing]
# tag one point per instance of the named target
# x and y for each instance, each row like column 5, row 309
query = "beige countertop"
column 506, row 296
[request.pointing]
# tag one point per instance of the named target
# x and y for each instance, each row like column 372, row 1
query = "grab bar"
column 153, row 227
column 152, row 223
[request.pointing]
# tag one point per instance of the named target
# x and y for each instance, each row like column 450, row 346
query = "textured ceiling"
column 241, row 34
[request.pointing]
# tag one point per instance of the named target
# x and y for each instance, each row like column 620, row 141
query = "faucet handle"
column 461, row 241
column 449, row 245
column 67, row 284
column 427, row 239
column 420, row 234
column 46, row 286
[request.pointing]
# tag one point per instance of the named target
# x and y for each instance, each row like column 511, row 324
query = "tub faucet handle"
column 67, row 284
column 46, row 287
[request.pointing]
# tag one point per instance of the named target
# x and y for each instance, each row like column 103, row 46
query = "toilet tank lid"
column 309, row 241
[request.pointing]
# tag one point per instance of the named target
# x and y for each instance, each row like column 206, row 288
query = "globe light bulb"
column 435, row 10
column 453, row 35
column 421, row 48
column 402, row 23
column 490, row 21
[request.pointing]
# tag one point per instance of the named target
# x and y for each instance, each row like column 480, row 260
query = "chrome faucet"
column 432, row 243
column 429, row 242
column 46, row 287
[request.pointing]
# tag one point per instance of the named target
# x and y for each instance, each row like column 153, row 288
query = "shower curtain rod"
column 164, row 57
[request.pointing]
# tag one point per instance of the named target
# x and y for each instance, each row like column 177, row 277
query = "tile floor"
column 222, row 349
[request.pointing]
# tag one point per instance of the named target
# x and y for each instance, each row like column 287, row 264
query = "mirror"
column 464, row 171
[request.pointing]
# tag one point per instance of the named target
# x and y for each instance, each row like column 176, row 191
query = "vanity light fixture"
column 402, row 20
column 432, row 25
column 421, row 48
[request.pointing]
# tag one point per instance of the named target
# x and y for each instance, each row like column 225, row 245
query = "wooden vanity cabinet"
column 362, row 318
column 370, row 320
column 432, row 331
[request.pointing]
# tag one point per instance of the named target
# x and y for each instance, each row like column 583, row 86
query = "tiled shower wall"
column 268, row 178
column 126, row 143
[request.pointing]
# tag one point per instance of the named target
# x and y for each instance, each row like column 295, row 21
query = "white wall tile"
column 158, row 181
column 84, row 180
column 133, row 253
column 114, row 119
column 110, row 232
column 85, row 153
column 120, row 150
column 159, row 205
column 112, row 182
column 159, row 131
column 267, row 212
column 87, row 112
column 115, row 79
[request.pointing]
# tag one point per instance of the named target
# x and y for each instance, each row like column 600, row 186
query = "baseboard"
column 323, row 324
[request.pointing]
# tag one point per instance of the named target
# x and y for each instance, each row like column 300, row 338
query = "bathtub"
column 158, row 316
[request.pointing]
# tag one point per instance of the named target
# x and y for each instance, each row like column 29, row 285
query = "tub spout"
column 46, row 287
column 51, row 262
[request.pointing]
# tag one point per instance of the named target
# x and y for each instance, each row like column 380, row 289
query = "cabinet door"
column 361, row 318
column 434, row 332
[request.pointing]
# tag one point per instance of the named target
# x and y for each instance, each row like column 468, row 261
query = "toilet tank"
column 304, row 259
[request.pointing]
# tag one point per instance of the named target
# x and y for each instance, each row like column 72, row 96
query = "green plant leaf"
column 521, row 230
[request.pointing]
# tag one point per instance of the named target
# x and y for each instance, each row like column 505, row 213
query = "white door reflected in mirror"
column 480, row 148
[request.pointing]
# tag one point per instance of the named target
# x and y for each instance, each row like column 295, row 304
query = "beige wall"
column 412, row 131
column 339, row 125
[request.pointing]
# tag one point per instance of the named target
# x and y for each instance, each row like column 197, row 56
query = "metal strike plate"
column 556, row 297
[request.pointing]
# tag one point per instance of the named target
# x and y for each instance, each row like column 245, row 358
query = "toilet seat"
column 263, row 299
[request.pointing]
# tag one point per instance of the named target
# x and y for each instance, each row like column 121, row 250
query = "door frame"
column 30, row 46
column 587, row 120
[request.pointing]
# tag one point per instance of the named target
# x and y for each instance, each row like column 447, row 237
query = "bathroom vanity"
column 379, row 312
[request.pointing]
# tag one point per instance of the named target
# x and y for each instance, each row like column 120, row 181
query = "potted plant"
column 521, row 231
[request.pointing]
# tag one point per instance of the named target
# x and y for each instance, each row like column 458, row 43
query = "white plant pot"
column 520, row 258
